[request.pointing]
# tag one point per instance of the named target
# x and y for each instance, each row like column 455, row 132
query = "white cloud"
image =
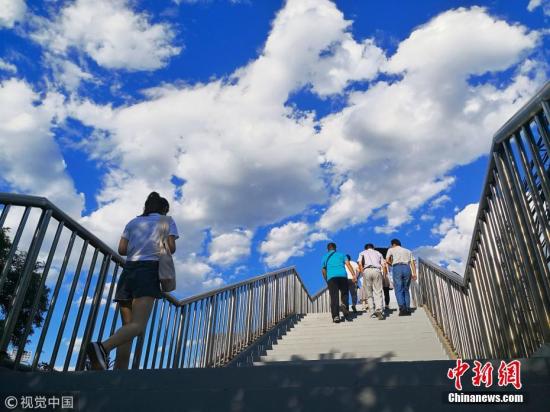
column 442, row 227
column 228, row 248
column 433, row 47
column 286, row 241
column 452, row 250
column 394, row 143
column 249, row 160
column 11, row 12
column 534, row 4
column 7, row 66
column 30, row 159
column 346, row 61
column 193, row 275
column 439, row 201
column 111, row 33
column 68, row 74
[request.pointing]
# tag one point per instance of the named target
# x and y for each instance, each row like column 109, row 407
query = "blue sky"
column 271, row 126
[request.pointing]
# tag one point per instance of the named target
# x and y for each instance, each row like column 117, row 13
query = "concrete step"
column 339, row 347
column 341, row 385
column 431, row 354
column 397, row 338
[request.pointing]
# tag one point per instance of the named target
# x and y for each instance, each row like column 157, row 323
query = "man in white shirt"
column 352, row 282
column 404, row 270
column 371, row 264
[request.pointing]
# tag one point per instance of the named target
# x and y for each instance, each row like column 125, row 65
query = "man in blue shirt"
column 334, row 272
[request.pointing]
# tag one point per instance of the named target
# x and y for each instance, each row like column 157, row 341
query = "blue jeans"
column 401, row 282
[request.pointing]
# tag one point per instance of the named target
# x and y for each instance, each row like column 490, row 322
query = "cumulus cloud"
column 286, row 241
column 194, row 275
column 346, row 61
column 394, row 144
column 11, row 12
column 228, row 248
column 248, row 159
column 30, row 159
column 111, row 33
column 452, row 250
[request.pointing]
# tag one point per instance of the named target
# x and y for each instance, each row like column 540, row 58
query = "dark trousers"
column 386, row 295
column 335, row 285
column 352, row 286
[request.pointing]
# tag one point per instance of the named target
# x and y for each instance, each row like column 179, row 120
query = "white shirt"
column 400, row 255
column 143, row 237
column 372, row 258
column 355, row 267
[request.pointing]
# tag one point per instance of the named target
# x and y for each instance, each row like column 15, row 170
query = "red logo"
column 457, row 372
column 483, row 374
column 508, row 374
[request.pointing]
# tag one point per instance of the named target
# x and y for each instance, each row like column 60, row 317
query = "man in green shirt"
column 334, row 272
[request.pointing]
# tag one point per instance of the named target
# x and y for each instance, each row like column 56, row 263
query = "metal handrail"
column 208, row 329
column 501, row 306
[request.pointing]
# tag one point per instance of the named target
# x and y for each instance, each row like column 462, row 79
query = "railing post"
column 38, row 295
column 24, row 280
column 516, row 218
column 13, row 249
column 94, row 309
column 229, row 351
column 265, row 296
column 53, row 301
column 211, row 330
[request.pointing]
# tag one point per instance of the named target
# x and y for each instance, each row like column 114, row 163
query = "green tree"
column 8, row 291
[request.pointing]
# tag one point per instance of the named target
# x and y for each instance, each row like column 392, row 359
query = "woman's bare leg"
column 123, row 351
column 141, row 309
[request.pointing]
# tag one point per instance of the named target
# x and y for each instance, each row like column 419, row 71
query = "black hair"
column 155, row 204
column 331, row 245
column 349, row 257
column 396, row 242
column 369, row 246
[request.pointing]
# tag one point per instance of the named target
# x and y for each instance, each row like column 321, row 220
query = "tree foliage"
column 7, row 293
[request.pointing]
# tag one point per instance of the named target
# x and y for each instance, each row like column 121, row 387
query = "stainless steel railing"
column 500, row 308
column 57, row 282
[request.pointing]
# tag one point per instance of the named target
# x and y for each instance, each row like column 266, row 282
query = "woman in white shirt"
column 139, row 285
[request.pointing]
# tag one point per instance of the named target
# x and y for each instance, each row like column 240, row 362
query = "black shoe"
column 344, row 310
column 336, row 319
column 97, row 355
column 354, row 309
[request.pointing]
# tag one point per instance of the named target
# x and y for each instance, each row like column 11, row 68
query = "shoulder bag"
column 167, row 270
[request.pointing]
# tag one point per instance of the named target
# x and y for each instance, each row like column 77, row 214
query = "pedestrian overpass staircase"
column 268, row 344
column 394, row 339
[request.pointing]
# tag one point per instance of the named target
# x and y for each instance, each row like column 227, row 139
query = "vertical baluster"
column 53, row 302
column 38, row 295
